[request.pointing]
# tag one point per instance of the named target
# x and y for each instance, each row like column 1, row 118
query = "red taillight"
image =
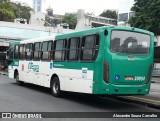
column 149, row 74
column 106, row 72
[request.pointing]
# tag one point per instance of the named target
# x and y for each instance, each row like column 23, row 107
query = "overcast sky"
column 95, row 6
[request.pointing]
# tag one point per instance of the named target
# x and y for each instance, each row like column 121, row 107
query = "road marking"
column 158, row 101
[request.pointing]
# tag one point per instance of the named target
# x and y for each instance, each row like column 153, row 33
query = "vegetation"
column 147, row 15
column 109, row 14
column 9, row 11
column 71, row 19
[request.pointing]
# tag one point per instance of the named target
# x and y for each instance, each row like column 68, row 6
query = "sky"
column 91, row 6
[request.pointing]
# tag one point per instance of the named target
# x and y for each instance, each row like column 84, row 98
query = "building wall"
column 37, row 5
column 37, row 19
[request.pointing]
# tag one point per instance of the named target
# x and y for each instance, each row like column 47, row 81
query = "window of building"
column 36, row 51
column 16, row 52
column 46, row 50
column 90, row 45
column 59, row 50
column 29, row 51
column 73, row 46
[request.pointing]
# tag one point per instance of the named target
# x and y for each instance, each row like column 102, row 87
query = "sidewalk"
column 152, row 99
column 155, row 79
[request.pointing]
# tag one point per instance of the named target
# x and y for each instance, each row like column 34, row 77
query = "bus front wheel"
column 55, row 87
column 17, row 80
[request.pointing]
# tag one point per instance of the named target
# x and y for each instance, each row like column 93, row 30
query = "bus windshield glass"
column 129, row 42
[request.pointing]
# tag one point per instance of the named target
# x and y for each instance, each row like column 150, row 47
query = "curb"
column 155, row 81
column 140, row 102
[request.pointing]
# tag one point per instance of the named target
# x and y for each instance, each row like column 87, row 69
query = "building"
column 37, row 5
column 124, row 12
column 86, row 20
column 54, row 20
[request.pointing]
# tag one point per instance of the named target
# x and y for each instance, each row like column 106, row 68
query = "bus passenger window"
column 36, row 51
column 90, row 45
column 22, row 51
column 50, row 55
column 46, row 50
column 16, row 52
column 28, row 51
column 59, row 49
column 73, row 49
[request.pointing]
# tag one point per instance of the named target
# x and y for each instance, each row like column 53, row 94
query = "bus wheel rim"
column 55, row 87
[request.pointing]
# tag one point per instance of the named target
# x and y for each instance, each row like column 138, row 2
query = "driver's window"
column 10, row 53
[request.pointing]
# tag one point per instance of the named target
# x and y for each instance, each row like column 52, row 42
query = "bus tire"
column 17, row 80
column 55, row 87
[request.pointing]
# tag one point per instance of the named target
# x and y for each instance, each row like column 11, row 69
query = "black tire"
column 55, row 87
column 17, row 80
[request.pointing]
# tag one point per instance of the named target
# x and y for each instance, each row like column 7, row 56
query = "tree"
column 71, row 19
column 147, row 15
column 109, row 14
column 6, row 14
column 21, row 11
column 9, row 11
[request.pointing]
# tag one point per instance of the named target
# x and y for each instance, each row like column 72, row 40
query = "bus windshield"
column 129, row 42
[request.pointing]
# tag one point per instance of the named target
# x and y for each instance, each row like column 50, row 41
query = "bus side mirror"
column 105, row 32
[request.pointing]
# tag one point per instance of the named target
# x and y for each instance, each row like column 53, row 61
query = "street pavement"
column 32, row 98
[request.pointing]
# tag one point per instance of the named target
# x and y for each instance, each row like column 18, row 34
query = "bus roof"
column 97, row 29
column 38, row 39
column 83, row 32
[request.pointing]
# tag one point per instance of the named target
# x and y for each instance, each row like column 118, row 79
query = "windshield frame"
column 133, row 32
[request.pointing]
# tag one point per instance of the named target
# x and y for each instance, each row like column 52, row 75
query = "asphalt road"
column 32, row 98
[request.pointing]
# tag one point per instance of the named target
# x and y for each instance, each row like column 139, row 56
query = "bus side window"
column 50, row 47
column 36, row 51
column 28, row 55
column 59, row 51
column 16, row 52
column 46, row 50
column 21, row 52
column 90, row 45
column 73, row 46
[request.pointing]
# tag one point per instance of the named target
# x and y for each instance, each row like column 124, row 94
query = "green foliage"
column 6, row 15
column 109, row 14
column 9, row 11
column 71, row 19
column 147, row 15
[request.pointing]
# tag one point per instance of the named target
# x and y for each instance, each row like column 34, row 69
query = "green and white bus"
column 104, row 60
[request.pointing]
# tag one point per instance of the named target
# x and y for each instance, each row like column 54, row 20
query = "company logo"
column 34, row 68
